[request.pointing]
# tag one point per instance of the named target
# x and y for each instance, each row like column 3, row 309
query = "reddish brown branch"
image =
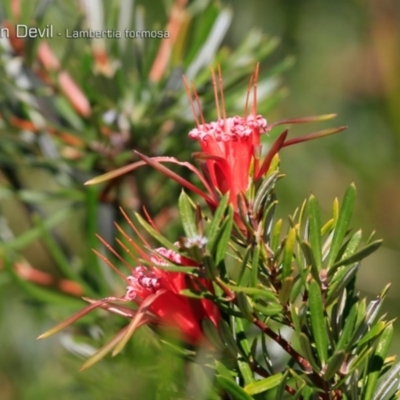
column 303, row 363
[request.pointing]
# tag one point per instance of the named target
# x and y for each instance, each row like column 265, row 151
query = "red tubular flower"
column 230, row 144
column 173, row 309
column 157, row 292
column 231, row 148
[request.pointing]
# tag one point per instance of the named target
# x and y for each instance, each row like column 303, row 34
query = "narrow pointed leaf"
column 228, row 339
column 187, row 215
column 264, row 190
column 340, row 281
column 334, row 364
column 264, row 293
column 72, row 319
column 303, row 120
column 353, row 244
column 245, row 306
column 315, row 231
column 351, row 247
column 104, row 350
column 212, row 229
column 318, row 321
column 255, row 265
column 137, row 321
column 363, row 253
column 232, row 388
column 309, row 257
column 276, row 146
column 388, row 383
column 314, row 135
column 307, row 351
column 286, row 290
column 348, row 329
column 276, row 233
column 264, row 385
column 295, row 318
column 372, row 334
column 288, row 253
column 342, row 223
column 212, row 334
column 224, row 237
column 165, row 242
column 376, row 361
column 327, row 227
column 155, row 162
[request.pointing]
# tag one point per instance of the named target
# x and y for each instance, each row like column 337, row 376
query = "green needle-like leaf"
column 224, row 237
column 264, row 384
column 334, row 364
column 376, row 361
column 187, row 214
column 288, row 253
column 348, row 329
column 342, row 223
column 363, row 253
column 318, row 323
column 156, row 235
column 276, row 233
column 213, row 228
column 388, row 383
column 315, row 230
column 232, row 388
column 308, row 351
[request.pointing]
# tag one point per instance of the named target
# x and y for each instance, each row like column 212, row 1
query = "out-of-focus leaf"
column 245, row 306
column 101, row 353
column 264, row 293
column 59, row 257
column 212, row 334
column 264, row 385
column 228, row 339
column 33, row 234
column 232, row 388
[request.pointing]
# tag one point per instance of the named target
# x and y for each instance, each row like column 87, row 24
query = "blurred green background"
column 346, row 61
